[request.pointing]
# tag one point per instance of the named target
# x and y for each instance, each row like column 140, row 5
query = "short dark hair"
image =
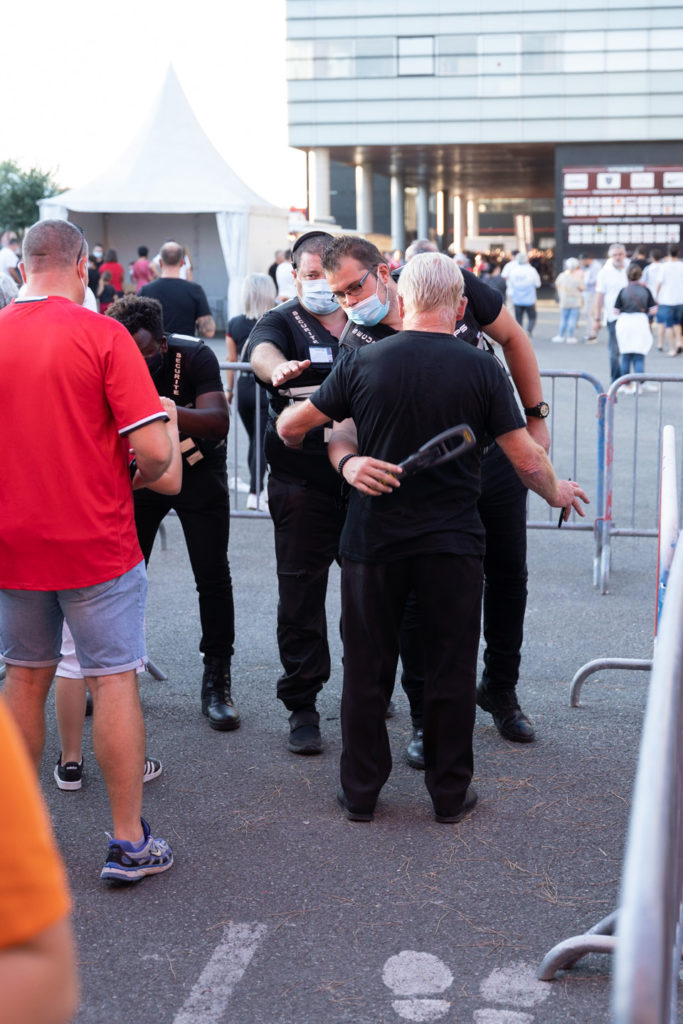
column 312, row 241
column 110, row 256
column 655, row 255
column 143, row 250
column 52, row 244
column 137, row 312
column 673, row 250
column 353, row 247
column 634, row 272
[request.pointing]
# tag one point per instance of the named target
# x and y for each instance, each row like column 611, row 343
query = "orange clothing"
column 33, row 888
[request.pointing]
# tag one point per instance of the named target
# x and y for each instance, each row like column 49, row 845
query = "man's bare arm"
column 210, row 418
column 295, row 422
column 536, row 472
column 523, row 365
column 153, row 450
column 171, row 480
column 270, row 365
column 38, row 978
column 206, row 326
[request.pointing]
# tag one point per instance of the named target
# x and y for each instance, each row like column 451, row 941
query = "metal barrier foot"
column 155, row 672
column 639, row 665
column 566, row 954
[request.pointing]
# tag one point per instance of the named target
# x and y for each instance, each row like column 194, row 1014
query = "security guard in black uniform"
column 186, row 370
column 292, row 349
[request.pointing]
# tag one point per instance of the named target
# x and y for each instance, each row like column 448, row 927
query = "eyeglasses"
column 353, row 289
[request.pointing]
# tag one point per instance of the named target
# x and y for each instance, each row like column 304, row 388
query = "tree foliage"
column 19, row 195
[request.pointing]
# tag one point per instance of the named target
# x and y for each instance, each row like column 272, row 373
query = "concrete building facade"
column 424, row 117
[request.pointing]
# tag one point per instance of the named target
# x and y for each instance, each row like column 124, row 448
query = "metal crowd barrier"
column 236, row 430
column 668, row 535
column 649, row 925
column 641, row 478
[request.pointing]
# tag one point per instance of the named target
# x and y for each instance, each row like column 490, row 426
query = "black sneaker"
column 151, row 770
column 304, row 732
column 69, row 775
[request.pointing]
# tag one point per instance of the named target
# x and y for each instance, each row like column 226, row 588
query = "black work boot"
column 508, row 717
column 216, row 698
column 415, row 753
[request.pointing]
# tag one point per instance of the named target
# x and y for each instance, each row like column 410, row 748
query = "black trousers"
column 308, row 524
column 203, row 509
column 448, row 592
column 502, row 507
column 246, row 407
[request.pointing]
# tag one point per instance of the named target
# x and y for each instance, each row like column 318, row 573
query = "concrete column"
column 444, row 225
column 472, row 218
column 365, row 215
column 319, row 179
column 422, row 211
column 459, row 222
column 398, row 229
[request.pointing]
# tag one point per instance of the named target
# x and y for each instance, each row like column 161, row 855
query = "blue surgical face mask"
column 370, row 311
column 317, row 297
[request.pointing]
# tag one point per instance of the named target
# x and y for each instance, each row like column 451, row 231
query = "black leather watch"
column 540, row 411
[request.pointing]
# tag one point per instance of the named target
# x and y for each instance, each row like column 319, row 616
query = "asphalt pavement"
column 280, row 911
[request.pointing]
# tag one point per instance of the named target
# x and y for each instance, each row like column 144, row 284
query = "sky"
column 86, row 76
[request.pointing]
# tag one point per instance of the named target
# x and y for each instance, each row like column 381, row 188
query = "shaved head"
column 172, row 254
column 52, row 245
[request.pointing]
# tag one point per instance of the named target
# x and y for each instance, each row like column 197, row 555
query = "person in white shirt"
column 669, row 297
column 611, row 279
column 523, row 280
column 9, row 257
column 284, row 280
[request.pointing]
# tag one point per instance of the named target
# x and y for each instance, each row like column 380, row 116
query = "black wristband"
column 344, row 459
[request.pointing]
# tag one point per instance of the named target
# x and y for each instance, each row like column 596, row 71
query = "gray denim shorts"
column 107, row 621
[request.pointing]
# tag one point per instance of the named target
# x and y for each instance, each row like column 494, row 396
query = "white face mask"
column 317, row 297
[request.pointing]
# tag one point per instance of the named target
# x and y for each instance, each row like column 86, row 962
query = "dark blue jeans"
column 613, row 349
column 502, row 507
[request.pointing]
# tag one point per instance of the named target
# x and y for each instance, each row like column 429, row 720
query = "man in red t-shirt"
column 68, row 545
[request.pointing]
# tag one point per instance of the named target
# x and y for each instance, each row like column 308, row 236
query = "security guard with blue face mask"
column 292, row 349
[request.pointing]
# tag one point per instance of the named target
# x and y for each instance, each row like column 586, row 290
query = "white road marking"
column 210, row 994
column 410, row 973
column 421, row 1010
column 516, row 984
column 501, row 1017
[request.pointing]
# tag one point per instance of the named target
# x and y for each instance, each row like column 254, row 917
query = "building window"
column 416, row 55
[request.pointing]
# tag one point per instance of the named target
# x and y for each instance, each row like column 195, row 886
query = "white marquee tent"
column 172, row 183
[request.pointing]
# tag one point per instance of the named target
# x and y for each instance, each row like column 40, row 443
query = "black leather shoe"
column 508, row 717
column 216, row 695
column 469, row 802
column 349, row 812
column 415, row 753
column 304, row 732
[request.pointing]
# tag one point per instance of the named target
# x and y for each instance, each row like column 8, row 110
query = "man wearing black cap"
column 292, row 350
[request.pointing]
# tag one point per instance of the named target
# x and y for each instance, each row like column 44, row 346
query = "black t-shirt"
column 298, row 335
column 183, row 302
column 400, row 394
column 191, row 369
column 239, row 328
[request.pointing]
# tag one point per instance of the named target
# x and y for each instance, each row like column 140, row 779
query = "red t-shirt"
column 75, row 382
column 116, row 271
